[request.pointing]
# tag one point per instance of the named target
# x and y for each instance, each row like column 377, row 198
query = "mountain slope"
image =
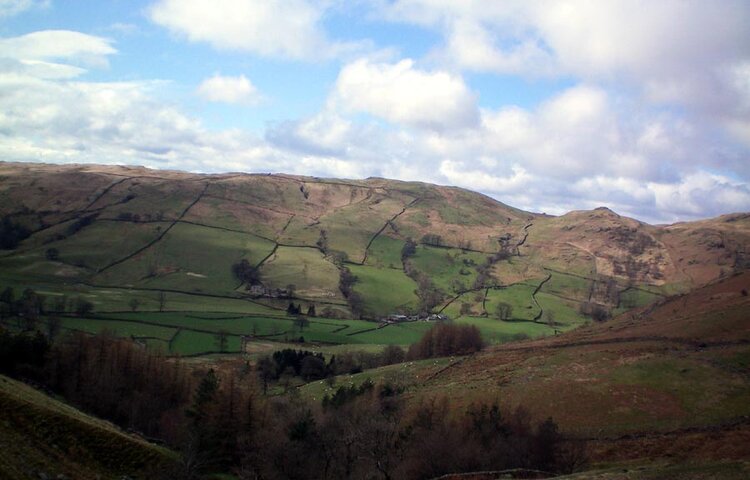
column 666, row 381
column 107, row 226
column 43, row 436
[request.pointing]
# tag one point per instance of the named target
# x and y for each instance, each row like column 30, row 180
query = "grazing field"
column 518, row 296
column 384, row 290
column 385, row 252
column 307, row 269
column 498, row 331
column 450, row 269
column 152, row 252
column 191, row 333
column 189, row 258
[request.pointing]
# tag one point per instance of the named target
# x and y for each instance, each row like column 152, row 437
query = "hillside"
column 138, row 244
column 41, row 437
column 665, row 383
column 635, row 338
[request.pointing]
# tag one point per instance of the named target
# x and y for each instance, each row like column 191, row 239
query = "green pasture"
column 518, row 296
column 307, row 269
column 565, row 313
column 119, row 328
column 722, row 394
column 190, row 258
column 498, row 331
column 570, row 286
column 401, row 374
column 189, row 342
column 384, row 290
column 385, row 252
column 450, row 269
column 635, row 297
column 216, row 212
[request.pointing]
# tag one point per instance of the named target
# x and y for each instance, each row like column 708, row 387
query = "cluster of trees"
column 296, row 309
column 221, row 422
column 11, row 233
column 246, row 273
column 23, row 354
column 28, row 309
column 409, row 249
column 109, row 377
column 444, row 340
column 346, row 284
column 432, row 239
column 367, row 432
column 308, row 365
column 346, row 394
column 374, row 435
column 81, row 223
column 594, row 310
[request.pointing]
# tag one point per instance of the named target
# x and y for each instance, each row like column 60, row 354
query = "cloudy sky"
column 549, row 106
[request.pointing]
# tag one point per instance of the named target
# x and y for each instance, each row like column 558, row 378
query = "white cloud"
column 64, row 45
column 581, row 147
column 233, row 90
column 465, row 176
column 8, row 8
column 284, row 28
column 701, row 194
column 401, row 93
column 674, row 52
column 586, row 37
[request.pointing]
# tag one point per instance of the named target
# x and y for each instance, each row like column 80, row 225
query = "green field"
column 154, row 257
column 518, row 296
column 499, row 331
column 385, row 252
column 384, row 290
column 191, row 333
column 189, row 258
column 307, row 269
column 450, row 269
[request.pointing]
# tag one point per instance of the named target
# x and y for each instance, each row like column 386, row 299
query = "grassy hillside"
column 115, row 235
column 43, row 436
column 667, row 381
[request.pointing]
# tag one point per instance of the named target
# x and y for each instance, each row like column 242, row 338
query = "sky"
column 548, row 106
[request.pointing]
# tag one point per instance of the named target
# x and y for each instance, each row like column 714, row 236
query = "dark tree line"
column 23, row 355
column 29, row 308
column 444, row 340
column 12, row 233
column 346, row 284
column 309, row 365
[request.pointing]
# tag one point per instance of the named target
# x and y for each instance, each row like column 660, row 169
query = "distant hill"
column 164, row 230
